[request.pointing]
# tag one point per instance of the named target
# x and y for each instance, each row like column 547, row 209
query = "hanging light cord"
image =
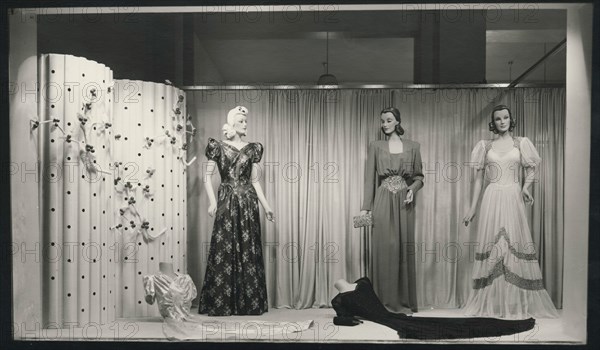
column 327, row 55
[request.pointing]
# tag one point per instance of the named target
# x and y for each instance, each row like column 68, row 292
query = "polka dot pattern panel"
column 149, row 155
column 78, row 235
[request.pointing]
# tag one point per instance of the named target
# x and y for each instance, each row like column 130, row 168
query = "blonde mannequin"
column 230, row 286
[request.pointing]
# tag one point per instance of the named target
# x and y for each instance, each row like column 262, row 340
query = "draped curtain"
column 312, row 175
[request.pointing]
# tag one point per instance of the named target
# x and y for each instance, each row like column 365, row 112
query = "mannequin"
column 173, row 293
column 344, row 286
column 235, row 283
column 393, row 176
column 506, row 278
column 167, row 269
column 358, row 300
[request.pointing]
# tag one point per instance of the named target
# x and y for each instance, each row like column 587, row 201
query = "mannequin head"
column 240, row 125
column 390, row 121
column 166, row 267
column 236, row 123
column 502, row 120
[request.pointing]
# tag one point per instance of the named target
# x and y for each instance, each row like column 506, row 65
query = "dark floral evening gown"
column 234, row 283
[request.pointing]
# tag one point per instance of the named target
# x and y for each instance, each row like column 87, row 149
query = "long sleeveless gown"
column 235, row 283
column 507, row 280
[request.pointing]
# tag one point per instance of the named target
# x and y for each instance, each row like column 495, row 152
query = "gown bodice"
column 503, row 167
column 173, row 295
column 390, row 171
column 235, row 165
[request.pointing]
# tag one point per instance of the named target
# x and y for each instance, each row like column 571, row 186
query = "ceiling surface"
column 367, row 46
column 364, row 47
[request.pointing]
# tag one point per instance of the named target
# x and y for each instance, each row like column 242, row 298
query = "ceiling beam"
column 407, row 86
column 550, row 53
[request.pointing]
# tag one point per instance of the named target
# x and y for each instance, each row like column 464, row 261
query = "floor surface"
column 242, row 329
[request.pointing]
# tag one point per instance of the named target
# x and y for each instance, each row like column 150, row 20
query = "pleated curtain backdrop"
column 113, row 206
column 79, row 267
column 312, row 174
column 150, row 133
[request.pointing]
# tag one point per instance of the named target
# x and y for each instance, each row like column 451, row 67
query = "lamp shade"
column 327, row 79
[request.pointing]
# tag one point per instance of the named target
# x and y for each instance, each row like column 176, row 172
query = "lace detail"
column 488, row 146
column 517, row 142
column 510, row 277
column 394, row 183
column 513, row 250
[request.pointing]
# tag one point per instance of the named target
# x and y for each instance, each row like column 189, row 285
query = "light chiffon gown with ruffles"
column 506, row 278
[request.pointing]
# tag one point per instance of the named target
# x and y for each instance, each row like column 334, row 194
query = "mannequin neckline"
column 172, row 277
column 235, row 147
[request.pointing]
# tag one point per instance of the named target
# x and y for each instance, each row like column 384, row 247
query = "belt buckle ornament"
column 394, row 183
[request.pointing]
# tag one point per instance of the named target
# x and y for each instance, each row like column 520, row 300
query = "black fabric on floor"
column 364, row 303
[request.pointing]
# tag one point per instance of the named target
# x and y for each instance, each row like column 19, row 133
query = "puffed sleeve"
column 417, row 165
column 478, row 156
column 149, row 288
column 213, row 151
column 190, row 289
column 529, row 155
column 370, row 176
column 258, row 152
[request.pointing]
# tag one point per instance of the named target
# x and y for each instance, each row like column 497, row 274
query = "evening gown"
column 234, row 283
column 507, row 281
column 363, row 303
column 173, row 296
column 393, row 263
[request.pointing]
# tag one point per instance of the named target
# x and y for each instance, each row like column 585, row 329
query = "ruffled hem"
column 501, row 270
column 507, row 282
column 505, row 258
column 503, row 299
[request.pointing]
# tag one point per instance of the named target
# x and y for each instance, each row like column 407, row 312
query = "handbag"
column 363, row 220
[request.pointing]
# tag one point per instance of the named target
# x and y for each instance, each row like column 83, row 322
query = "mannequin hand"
column 470, row 216
column 212, row 209
column 409, row 196
column 270, row 216
column 527, row 197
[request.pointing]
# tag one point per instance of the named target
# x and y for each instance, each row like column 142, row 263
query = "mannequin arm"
column 475, row 200
column 477, row 191
column 210, row 170
column 529, row 177
column 258, row 189
column 416, row 186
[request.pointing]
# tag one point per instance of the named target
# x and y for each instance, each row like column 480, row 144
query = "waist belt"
column 394, row 183
column 238, row 188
